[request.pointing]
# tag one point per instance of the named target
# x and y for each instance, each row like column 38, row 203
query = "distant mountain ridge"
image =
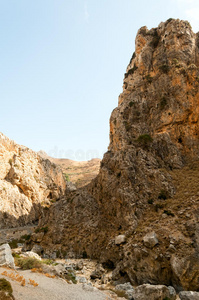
column 78, row 172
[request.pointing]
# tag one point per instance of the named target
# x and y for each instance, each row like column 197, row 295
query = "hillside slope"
column 79, row 173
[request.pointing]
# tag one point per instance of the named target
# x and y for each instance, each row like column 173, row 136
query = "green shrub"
column 84, row 254
column 168, row 213
column 169, row 20
column 131, row 103
column 149, row 78
column 13, row 244
column 26, row 237
column 163, row 195
column 43, row 229
column 150, row 201
column 164, row 68
column 66, row 177
column 155, row 41
column 158, row 206
column 49, row 262
column 145, row 139
column 5, row 286
column 27, row 263
column 71, row 276
column 16, row 255
column 163, row 102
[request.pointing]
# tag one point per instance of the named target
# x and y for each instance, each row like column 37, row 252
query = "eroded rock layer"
column 147, row 189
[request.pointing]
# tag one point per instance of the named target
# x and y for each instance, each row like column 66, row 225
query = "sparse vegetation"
column 158, row 206
column 155, row 41
column 164, row 68
column 66, row 177
column 150, row 201
column 163, row 102
column 149, row 78
column 168, row 213
column 5, row 286
column 145, row 139
column 169, row 20
column 70, row 276
column 163, row 195
column 26, row 237
column 42, row 229
column 27, row 263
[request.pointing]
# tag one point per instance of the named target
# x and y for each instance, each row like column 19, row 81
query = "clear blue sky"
column 62, row 64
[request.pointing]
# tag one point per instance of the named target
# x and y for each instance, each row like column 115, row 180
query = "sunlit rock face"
column 148, row 180
column 28, row 183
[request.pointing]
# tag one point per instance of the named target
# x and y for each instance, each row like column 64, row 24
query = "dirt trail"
column 50, row 288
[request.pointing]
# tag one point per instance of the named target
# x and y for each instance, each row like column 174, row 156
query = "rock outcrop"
column 148, row 179
column 6, row 258
column 28, row 182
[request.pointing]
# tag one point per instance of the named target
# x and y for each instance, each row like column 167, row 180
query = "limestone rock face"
column 27, row 182
column 148, row 179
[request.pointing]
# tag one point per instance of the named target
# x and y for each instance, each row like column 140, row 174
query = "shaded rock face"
column 27, row 182
column 141, row 186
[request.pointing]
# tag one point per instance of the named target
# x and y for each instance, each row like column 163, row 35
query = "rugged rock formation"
column 148, row 180
column 27, row 182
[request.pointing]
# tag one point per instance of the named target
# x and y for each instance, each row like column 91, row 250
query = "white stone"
column 120, row 239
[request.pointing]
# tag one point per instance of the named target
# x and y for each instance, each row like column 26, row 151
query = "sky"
column 62, row 64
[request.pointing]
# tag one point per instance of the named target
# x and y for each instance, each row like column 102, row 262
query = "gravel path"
column 50, row 288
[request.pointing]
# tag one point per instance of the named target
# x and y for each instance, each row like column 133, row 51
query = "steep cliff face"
column 148, row 179
column 27, row 183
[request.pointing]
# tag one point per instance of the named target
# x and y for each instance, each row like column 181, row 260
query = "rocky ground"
column 49, row 288
column 76, row 279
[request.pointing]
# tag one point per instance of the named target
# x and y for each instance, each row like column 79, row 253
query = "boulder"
column 81, row 279
column 97, row 273
column 127, row 288
column 32, row 254
column 189, row 295
column 150, row 240
column 6, row 258
column 120, row 239
column 37, row 249
column 153, row 292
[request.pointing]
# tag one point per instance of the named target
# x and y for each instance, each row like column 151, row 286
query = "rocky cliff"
column 140, row 215
column 28, row 183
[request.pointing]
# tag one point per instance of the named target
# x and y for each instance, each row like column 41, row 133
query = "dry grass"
column 18, row 278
